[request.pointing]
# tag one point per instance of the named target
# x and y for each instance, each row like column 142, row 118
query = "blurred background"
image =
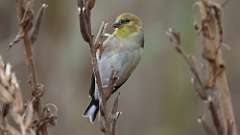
column 157, row 99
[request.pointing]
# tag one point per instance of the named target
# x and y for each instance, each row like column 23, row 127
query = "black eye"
column 124, row 21
column 127, row 20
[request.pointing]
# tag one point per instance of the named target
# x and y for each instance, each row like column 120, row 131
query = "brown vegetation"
column 209, row 77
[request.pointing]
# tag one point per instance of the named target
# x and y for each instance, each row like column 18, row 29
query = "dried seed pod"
column 90, row 4
column 37, row 23
column 9, row 88
column 28, row 115
column 84, row 19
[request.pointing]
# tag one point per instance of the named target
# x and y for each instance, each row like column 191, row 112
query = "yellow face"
column 126, row 24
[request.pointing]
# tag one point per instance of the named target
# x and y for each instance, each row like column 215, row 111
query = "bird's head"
column 127, row 24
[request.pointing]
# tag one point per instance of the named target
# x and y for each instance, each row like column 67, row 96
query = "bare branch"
column 175, row 39
column 206, row 127
column 225, row 3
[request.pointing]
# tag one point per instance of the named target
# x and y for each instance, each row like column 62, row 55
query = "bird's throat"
column 124, row 32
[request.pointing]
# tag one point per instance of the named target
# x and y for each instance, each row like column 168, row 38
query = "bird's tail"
column 92, row 110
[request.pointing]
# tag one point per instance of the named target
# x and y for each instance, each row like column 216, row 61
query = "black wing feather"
column 92, row 87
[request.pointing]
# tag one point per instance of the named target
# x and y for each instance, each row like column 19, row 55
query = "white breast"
column 119, row 58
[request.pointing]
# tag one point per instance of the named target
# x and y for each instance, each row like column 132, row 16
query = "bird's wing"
column 93, row 81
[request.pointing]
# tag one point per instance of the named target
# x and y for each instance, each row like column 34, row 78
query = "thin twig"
column 225, row 3
column 175, row 39
column 37, row 23
column 206, row 127
column 30, row 63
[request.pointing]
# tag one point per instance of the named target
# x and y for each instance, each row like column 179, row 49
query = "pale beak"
column 116, row 24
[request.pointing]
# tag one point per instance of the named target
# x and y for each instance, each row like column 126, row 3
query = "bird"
column 121, row 52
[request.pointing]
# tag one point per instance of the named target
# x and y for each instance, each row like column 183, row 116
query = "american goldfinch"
column 121, row 53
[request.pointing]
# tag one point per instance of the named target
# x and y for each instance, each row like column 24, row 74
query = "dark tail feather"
column 92, row 110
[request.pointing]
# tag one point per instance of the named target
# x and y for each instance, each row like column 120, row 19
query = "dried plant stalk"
column 26, row 15
column 212, row 40
column 35, row 118
column 214, row 89
column 108, row 118
column 11, row 97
